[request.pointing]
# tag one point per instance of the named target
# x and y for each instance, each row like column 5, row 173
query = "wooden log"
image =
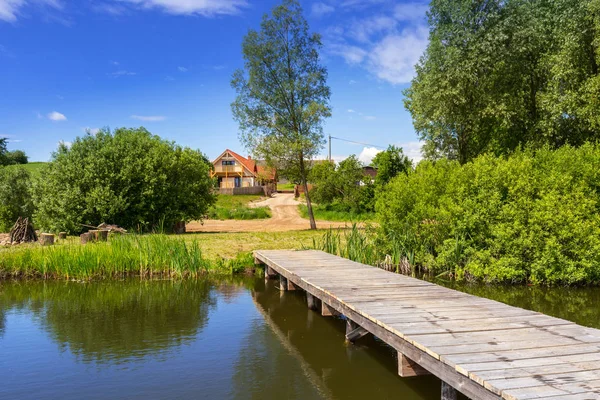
column 84, row 237
column 102, row 235
column 46, row 239
column 407, row 368
column 448, row 392
column 354, row 331
column 311, row 301
column 62, row 235
column 93, row 235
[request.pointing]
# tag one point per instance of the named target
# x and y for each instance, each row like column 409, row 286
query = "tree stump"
column 102, row 235
column 179, row 228
column 84, row 237
column 62, row 235
column 93, row 235
column 46, row 239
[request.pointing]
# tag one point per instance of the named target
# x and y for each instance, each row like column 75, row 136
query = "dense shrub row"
column 531, row 217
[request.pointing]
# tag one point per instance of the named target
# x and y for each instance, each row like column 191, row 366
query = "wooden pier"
column 479, row 347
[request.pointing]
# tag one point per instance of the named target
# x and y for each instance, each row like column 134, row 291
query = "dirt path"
column 285, row 217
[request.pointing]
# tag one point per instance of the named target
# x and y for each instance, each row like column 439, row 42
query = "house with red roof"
column 235, row 171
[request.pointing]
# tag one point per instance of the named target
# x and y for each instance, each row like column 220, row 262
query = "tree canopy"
column 11, row 157
column 390, row 163
column 501, row 74
column 282, row 94
column 128, row 177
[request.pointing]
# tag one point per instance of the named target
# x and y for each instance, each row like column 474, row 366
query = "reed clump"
column 145, row 256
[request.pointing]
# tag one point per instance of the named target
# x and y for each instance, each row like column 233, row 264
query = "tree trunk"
column 311, row 216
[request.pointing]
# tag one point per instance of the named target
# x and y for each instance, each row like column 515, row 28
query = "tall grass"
column 363, row 245
column 145, row 256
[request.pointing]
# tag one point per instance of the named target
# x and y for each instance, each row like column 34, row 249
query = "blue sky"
column 68, row 66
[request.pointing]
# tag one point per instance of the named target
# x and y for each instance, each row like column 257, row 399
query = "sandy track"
column 285, row 217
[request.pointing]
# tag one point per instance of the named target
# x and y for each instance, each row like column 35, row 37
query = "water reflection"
column 108, row 322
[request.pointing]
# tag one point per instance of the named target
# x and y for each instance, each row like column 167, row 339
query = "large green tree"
column 128, row 177
column 15, row 196
column 390, row 163
column 501, row 74
column 282, row 94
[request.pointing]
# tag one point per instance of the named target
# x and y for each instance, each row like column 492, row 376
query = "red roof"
column 246, row 162
column 250, row 164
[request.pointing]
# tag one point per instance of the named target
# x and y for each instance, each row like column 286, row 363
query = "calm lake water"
column 231, row 338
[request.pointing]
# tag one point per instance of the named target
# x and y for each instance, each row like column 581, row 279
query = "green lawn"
column 236, row 207
column 285, row 186
column 33, row 167
column 324, row 214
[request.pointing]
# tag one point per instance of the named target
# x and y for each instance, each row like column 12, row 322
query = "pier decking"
column 482, row 348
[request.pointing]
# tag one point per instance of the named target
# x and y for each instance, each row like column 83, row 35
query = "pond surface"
column 230, row 338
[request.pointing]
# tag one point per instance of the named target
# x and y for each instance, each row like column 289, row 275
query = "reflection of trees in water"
column 573, row 304
column 2, row 322
column 117, row 320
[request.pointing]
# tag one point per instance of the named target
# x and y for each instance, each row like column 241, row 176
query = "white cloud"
column 182, row 69
column 352, row 54
column 93, row 131
column 412, row 150
column 370, row 117
column 10, row 9
column 388, row 43
column 411, row 11
column 394, row 58
column 367, row 154
column 122, row 72
column 363, row 30
column 149, row 118
column 206, row 8
column 56, row 116
column 351, row 111
column 65, row 143
column 320, row 9
column 352, row 82
column 114, row 63
column 169, row 78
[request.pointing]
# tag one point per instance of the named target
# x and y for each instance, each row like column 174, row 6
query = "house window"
column 227, row 162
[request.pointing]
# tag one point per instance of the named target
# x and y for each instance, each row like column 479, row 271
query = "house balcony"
column 228, row 169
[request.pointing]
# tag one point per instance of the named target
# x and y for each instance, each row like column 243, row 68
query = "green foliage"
column 144, row 256
column 17, row 157
column 500, row 74
column 532, row 217
column 282, row 93
column 390, row 163
column 15, row 196
column 344, row 184
column 130, row 178
column 11, row 157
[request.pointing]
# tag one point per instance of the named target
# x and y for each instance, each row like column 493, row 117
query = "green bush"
column 532, row 217
column 15, row 196
column 130, row 177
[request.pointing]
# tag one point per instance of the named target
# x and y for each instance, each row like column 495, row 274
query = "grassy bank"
column 331, row 213
column 236, row 207
column 145, row 256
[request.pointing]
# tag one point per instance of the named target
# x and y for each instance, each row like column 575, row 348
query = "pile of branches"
column 22, row 232
column 107, row 227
